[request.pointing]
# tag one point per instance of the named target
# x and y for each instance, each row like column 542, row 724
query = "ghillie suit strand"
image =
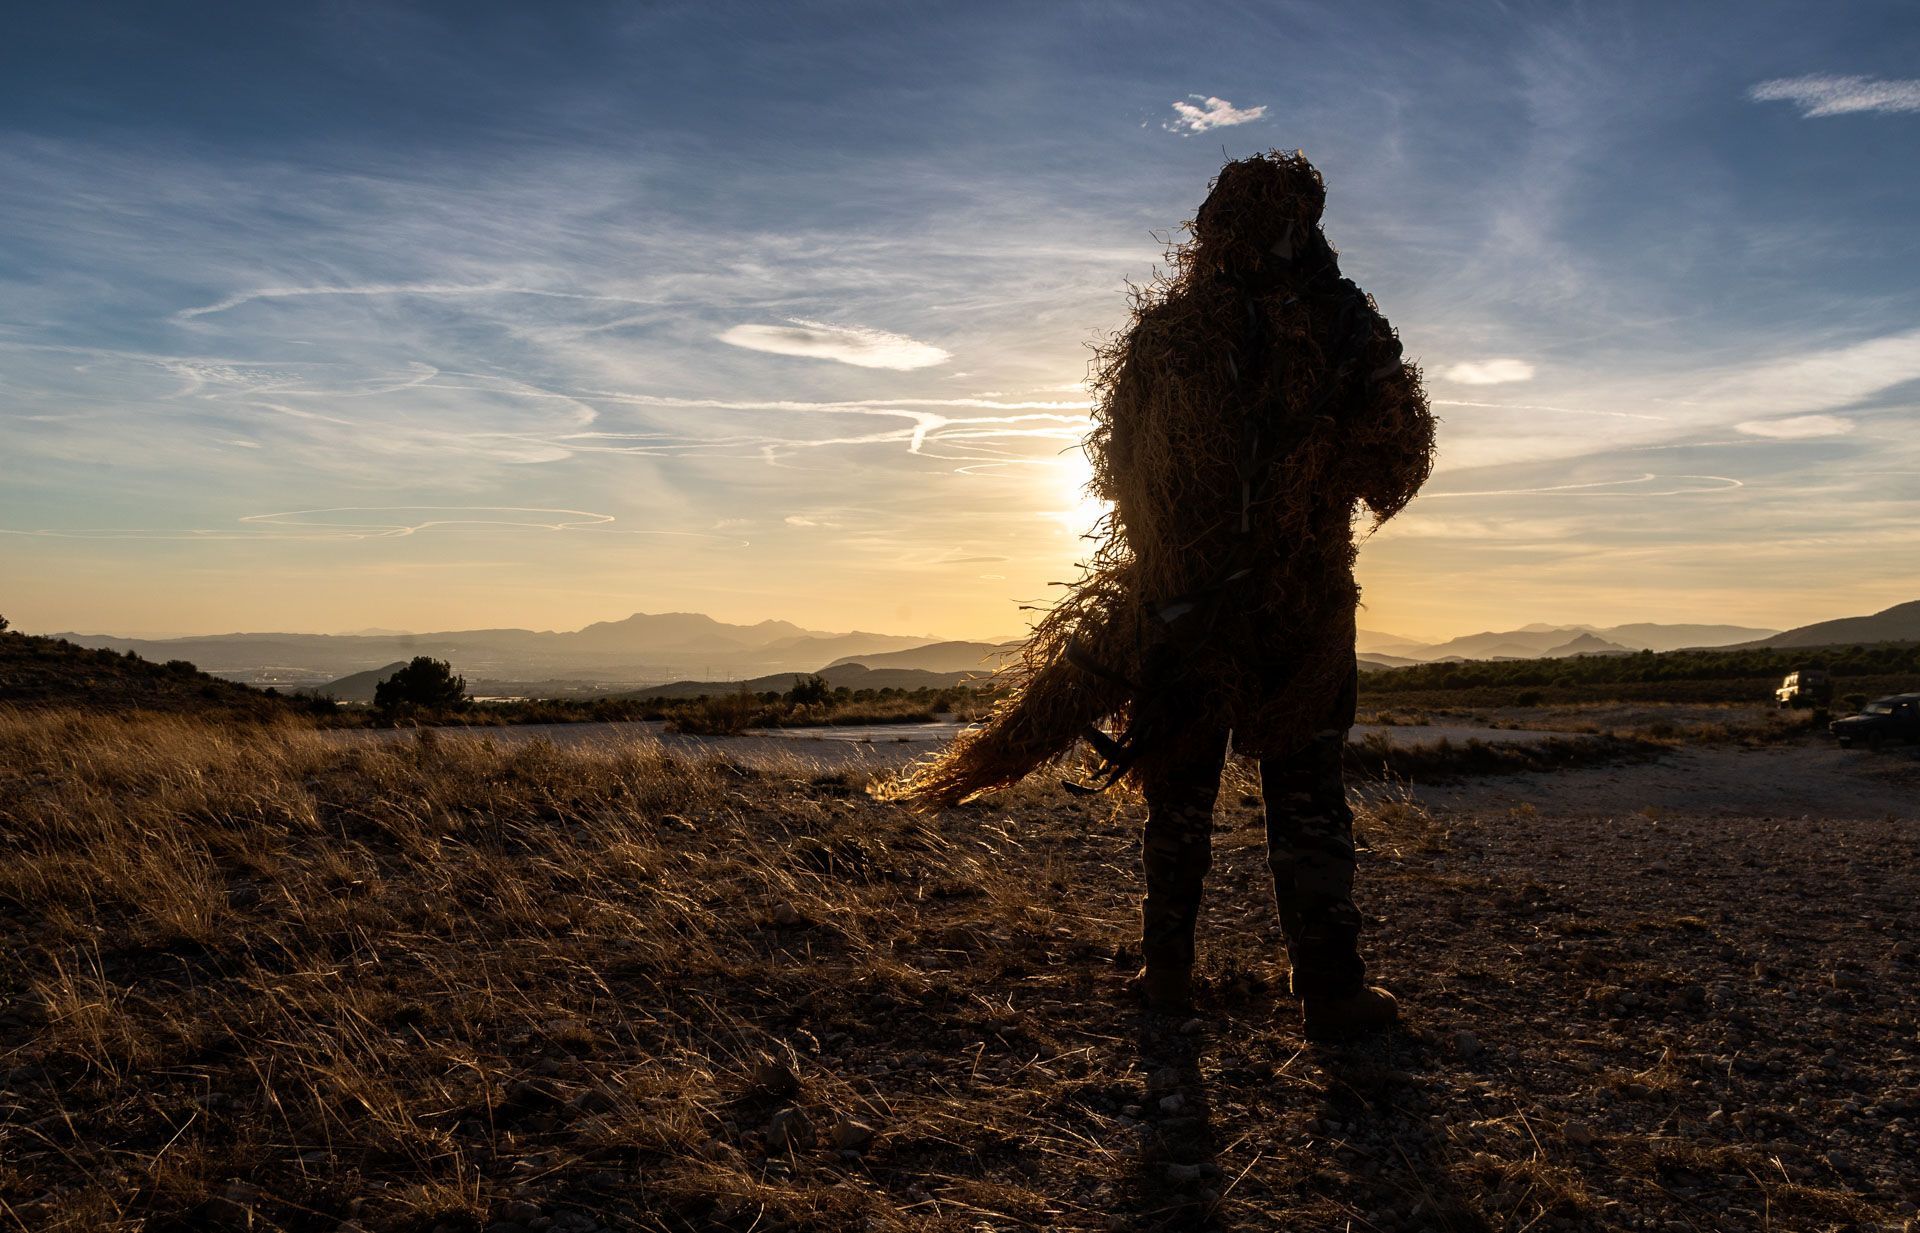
column 1257, row 397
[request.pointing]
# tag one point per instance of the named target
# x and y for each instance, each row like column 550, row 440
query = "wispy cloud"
column 1490, row 372
column 849, row 344
column 1820, row 95
column 1197, row 113
column 362, row 523
column 1645, row 485
column 1797, row 427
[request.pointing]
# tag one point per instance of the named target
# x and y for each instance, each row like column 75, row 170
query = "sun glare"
column 1081, row 510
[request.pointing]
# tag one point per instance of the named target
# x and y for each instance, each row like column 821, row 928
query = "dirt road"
column 869, row 747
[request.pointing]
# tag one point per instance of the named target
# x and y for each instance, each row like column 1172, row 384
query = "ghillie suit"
column 1256, row 399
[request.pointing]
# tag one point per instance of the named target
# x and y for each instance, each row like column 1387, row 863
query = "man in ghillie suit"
column 1257, row 400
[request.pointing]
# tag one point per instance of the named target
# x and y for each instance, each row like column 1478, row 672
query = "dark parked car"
column 1884, row 719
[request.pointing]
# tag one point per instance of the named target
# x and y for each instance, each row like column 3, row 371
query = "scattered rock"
column 233, row 1207
column 775, row 1077
column 1579, row 1134
column 1173, row 1103
column 1466, row 1044
column 1182, row 1173
column 790, row 1130
column 596, row 1099
column 852, row 1135
column 516, row 1211
column 787, row 916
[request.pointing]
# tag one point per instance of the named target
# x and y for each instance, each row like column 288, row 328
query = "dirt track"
column 869, row 747
column 1807, row 779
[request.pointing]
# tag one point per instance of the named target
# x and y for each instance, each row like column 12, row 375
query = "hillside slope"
column 360, row 686
column 977, row 658
column 38, row 673
column 1900, row 623
column 848, row 676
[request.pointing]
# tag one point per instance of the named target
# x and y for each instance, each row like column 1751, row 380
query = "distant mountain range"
column 643, row 649
column 650, row 652
column 1541, row 641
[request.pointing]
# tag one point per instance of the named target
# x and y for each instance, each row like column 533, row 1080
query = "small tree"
column 811, row 690
column 3, row 625
column 425, row 684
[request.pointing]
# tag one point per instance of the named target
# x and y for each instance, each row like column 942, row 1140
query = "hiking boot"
column 1167, row 989
column 1342, row 1018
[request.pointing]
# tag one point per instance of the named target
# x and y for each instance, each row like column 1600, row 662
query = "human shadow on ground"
column 1175, row 1183
column 1382, row 1136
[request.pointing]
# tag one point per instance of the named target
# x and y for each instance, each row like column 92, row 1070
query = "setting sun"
column 1071, row 484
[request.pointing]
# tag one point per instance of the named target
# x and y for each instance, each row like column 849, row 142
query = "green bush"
column 426, row 684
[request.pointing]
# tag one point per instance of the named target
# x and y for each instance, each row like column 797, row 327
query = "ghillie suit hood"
column 1257, row 398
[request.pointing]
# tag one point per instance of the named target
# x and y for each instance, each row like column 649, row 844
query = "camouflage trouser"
column 1309, row 851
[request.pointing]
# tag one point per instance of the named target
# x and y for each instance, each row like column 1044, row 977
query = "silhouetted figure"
column 1257, row 400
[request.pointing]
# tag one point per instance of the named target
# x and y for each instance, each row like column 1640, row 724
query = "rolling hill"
column 1900, row 623
column 38, row 673
column 851, row 676
column 358, row 687
column 976, row 658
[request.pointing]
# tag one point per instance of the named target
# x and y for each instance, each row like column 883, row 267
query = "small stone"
column 1164, row 1079
column 1466, row 1044
column 1579, row 1134
column 1183, row 1173
column 774, row 1077
column 1192, row 1026
column 852, row 1135
column 790, row 1130
column 1173, row 1103
column 234, row 1206
column 786, row 915
column 593, row 1100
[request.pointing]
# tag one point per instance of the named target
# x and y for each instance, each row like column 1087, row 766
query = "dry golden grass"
column 262, row 978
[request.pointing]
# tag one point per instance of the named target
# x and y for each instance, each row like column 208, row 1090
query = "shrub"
column 811, row 690
column 425, row 684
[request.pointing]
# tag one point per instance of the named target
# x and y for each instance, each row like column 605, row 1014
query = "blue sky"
column 329, row 316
